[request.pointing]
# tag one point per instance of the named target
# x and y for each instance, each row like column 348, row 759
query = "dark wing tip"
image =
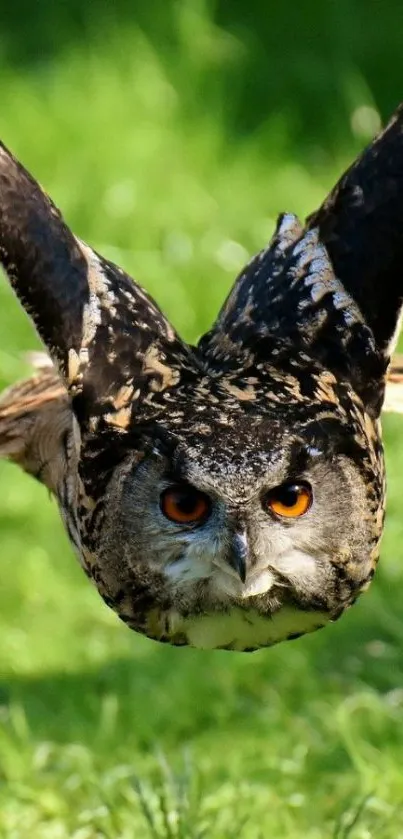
column 361, row 224
column 41, row 257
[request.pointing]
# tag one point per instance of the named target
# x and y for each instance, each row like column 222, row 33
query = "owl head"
column 231, row 494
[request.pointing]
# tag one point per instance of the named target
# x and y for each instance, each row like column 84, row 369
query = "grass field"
column 105, row 735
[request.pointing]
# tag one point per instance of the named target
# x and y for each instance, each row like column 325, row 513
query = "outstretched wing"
column 361, row 224
column 108, row 338
column 247, row 315
column 288, row 300
column 394, row 386
column 334, row 286
column 36, row 427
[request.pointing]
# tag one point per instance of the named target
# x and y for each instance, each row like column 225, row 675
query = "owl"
column 230, row 494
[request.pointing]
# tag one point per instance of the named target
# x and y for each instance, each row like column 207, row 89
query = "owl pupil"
column 287, row 495
column 186, row 501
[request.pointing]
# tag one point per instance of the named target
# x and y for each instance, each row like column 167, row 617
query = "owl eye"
column 289, row 500
column 185, row 505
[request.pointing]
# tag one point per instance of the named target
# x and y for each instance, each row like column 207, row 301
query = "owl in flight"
column 230, row 494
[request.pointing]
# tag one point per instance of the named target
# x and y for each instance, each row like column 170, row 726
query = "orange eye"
column 290, row 500
column 185, row 505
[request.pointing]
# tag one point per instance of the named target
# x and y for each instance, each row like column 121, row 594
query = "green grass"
column 105, row 734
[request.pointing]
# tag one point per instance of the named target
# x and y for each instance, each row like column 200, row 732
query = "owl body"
column 180, row 584
column 229, row 495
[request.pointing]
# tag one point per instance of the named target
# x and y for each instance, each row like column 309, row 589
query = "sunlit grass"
column 103, row 733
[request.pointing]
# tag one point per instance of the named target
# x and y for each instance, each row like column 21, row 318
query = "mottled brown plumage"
column 280, row 401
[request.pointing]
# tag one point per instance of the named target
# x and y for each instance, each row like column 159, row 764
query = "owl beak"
column 239, row 554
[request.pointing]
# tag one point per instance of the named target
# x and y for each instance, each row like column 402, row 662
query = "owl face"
column 236, row 534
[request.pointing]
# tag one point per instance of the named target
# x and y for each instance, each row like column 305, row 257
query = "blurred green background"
column 172, row 134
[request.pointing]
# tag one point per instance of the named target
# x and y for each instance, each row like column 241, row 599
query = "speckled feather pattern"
column 288, row 383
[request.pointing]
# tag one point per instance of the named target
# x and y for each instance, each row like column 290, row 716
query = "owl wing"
column 109, row 340
column 246, row 315
column 331, row 286
column 292, row 302
column 361, row 225
column 36, row 426
column 394, row 386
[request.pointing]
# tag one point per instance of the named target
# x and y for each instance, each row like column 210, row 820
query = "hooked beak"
column 239, row 554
